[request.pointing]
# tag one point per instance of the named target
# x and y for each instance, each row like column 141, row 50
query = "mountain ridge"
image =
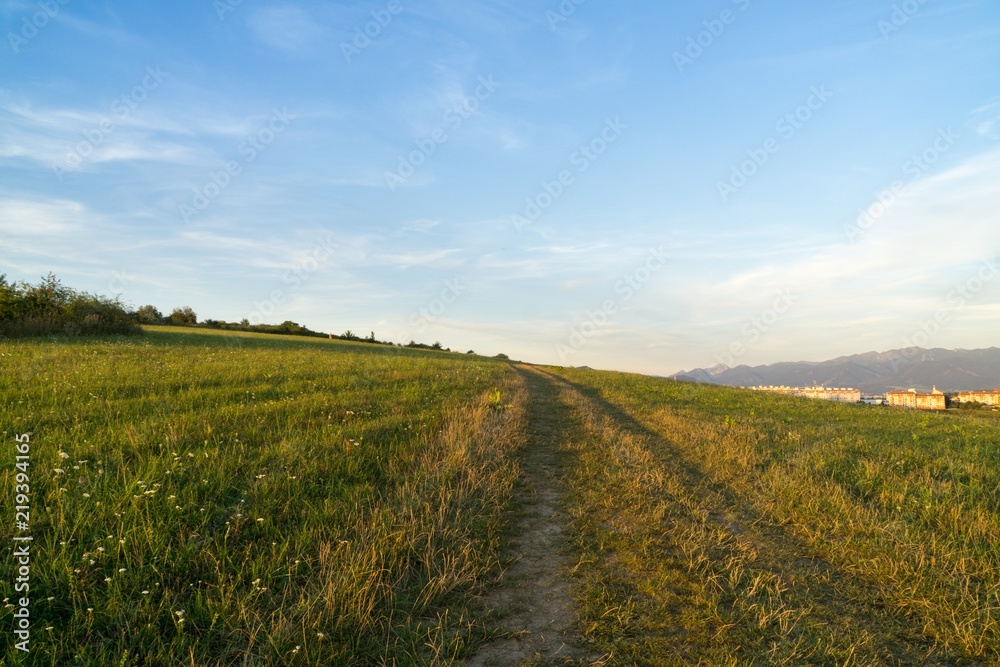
column 871, row 372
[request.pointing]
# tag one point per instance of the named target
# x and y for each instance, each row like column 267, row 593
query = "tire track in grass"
column 534, row 601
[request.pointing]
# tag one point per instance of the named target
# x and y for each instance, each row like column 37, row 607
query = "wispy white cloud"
column 945, row 220
column 986, row 120
column 75, row 138
column 26, row 218
column 371, row 179
column 448, row 258
column 285, row 27
column 462, row 108
column 105, row 32
column 417, row 226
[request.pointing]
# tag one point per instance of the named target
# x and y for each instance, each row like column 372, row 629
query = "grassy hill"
column 220, row 499
column 212, row 498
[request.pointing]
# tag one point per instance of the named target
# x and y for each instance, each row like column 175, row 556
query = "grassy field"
column 207, row 498
column 213, row 499
column 726, row 527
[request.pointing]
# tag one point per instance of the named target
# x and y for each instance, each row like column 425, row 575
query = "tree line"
column 51, row 308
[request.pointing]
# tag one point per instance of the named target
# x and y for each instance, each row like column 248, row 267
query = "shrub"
column 184, row 315
column 50, row 308
column 149, row 315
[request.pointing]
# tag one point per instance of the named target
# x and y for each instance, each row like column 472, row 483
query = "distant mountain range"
column 873, row 372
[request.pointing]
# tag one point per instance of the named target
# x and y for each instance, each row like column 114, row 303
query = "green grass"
column 727, row 527
column 217, row 499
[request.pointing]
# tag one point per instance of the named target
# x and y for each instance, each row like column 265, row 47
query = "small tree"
column 149, row 315
column 183, row 315
column 48, row 298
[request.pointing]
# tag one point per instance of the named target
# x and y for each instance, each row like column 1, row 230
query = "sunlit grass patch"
column 721, row 526
column 223, row 499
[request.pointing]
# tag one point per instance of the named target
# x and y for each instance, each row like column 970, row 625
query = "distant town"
column 911, row 398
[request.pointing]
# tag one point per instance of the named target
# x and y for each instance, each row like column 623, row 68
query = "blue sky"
column 629, row 185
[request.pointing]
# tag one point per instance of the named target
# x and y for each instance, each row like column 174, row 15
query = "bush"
column 149, row 315
column 185, row 315
column 50, row 308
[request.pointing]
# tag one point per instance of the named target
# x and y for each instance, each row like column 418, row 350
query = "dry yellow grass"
column 721, row 527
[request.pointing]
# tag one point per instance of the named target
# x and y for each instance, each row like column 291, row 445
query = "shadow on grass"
column 832, row 595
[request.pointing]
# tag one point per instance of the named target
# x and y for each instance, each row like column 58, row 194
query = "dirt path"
column 720, row 564
column 533, row 601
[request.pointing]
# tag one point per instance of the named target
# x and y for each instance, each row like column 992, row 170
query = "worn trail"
column 533, row 601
